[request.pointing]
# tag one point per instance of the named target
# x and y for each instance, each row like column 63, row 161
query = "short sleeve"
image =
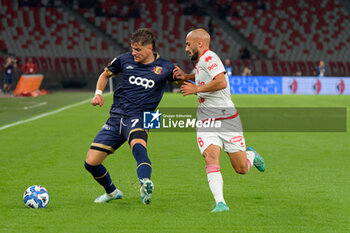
column 114, row 66
column 170, row 75
column 213, row 65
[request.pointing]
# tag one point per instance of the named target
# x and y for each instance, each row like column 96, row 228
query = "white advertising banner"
column 316, row 86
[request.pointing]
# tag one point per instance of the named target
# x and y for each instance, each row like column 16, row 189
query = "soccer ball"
column 36, row 196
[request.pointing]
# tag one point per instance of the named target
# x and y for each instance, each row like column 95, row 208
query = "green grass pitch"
column 305, row 187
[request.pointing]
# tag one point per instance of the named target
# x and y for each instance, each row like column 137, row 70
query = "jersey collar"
column 201, row 56
column 156, row 55
column 203, row 53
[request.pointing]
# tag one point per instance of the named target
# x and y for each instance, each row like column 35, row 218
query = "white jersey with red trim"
column 209, row 66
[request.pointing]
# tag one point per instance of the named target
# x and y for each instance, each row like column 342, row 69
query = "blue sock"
column 144, row 166
column 101, row 175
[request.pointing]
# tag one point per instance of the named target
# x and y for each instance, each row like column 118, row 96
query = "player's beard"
column 194, row 56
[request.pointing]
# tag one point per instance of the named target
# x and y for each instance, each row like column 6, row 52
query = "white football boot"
column 146, row 191
column 106, row 197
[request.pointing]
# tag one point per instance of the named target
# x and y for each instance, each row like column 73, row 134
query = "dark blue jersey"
column 9, row 70
column 141, row 86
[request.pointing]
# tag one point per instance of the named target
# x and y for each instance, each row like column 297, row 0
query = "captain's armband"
column 109, row 73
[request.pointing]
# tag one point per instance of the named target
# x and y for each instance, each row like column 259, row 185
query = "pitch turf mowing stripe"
column 45, row 114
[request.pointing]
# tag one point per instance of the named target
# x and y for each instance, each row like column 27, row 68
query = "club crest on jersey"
column 157, row 70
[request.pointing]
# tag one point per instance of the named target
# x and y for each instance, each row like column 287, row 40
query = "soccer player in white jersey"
column 213, row 91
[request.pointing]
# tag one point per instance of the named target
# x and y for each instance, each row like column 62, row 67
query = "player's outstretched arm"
column 100, row 86
column 179, row 74
column 218, row 83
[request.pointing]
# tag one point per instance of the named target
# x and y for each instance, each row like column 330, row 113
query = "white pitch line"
column 44, row 114
column 34, row 106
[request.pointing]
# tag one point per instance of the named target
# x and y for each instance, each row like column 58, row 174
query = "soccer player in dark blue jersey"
column 143, row 80
column 10, row 65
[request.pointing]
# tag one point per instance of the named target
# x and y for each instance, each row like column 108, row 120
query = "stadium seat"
column 50, row 28
column 166, row 19
column 317, row 26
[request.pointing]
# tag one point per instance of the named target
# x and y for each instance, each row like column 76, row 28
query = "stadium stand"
column 47, row 32
column 294, row 30
column 169, row 19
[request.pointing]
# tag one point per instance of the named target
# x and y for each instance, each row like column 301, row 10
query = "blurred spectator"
column 210, row 27
column 124, row 11
column 113, row 11
column 134, row 12
column 254, row 56
column 29, row 3
column 191, row 8
column 29, row 67
column 235, row 13
column 86, row 3
column 244, row 54
column 223, row 8
column 228, row 67
column 321, row 70
column 247, row 71
column 298, row 73
column 261, row 5
column 9, row 66
column 48, row 3
column 99, row 11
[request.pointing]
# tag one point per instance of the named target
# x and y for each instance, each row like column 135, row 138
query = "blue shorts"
column 8, row 79
column 116, row 131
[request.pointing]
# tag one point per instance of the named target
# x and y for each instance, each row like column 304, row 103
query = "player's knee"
column 210, row 158
column 89, row 159
column 241, row 169
column 95, row 157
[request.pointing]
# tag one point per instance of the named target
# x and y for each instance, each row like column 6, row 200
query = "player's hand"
column 189, row 88
column 97, row 100
column 178, row 73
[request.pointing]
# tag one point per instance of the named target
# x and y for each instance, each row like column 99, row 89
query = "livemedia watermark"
column 246, row 120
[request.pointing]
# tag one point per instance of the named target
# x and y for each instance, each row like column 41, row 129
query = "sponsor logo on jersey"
column 106, row 127
column 146, row 83
column 212, row 66
column 157, row 70
column 129, row 67
column 236, row 139
column 208, row 58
